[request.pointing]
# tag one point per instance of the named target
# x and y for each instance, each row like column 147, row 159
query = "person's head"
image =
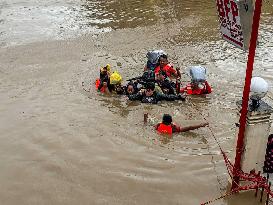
column 166, row 90
column 130, row 88
column 194, row 85
column 167, row 119
column 149, row 89
column 105, row 82
column 163, row 60
column 104, row 70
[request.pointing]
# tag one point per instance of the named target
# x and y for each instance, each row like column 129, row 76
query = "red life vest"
column 165, row 129
column 97, row 83
column 190, row 91
column 168, row 69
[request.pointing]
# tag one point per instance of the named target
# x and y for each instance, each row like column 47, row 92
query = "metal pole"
column 250, row 62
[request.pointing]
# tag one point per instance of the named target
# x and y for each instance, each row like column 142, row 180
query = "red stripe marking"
column 233, row 40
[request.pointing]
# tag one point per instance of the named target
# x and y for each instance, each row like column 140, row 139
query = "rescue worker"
column 168, row 127
column 198, row 85
column 167, row 67
column 149, row 95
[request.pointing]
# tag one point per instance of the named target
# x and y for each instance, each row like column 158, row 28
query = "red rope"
column 257, row 180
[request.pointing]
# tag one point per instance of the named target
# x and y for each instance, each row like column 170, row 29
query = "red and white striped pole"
column 250, row 62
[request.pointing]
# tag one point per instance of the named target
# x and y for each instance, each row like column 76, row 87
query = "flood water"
column 63, row 145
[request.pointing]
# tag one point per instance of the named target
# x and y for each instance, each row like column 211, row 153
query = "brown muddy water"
column 63, row 145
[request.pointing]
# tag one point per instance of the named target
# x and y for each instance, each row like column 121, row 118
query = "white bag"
column 198, row 73
column 153, row 56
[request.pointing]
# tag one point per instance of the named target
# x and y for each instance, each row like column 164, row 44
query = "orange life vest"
column 165, row 129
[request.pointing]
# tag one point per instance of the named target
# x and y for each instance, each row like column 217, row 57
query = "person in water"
column 166, row 67
column 104, row 78
column 104, row 86
column 198, row 84
column 197, row 88
column 105, row 71
column 168, row 127
column 131, row 88
column 149, row 95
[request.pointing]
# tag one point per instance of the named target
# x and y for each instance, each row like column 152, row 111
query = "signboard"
column 236, row 21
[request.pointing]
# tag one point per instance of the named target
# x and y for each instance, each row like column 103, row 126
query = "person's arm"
column 161, row 96
column 207, row 87
column 166, row 84
column 171, row 90
column 173, row 71
column 137, row 96
column 178, row 73
column 170, row 97
column 192, row 127
column 156, row 126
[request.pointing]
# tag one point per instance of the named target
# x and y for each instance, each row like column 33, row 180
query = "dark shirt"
column 148, row 76
column 151, row 66
column 104, row 78
column 154, row 99
column 166, row 84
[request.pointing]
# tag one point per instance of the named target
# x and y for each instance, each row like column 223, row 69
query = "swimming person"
column 104, row 79
column 168, row 127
